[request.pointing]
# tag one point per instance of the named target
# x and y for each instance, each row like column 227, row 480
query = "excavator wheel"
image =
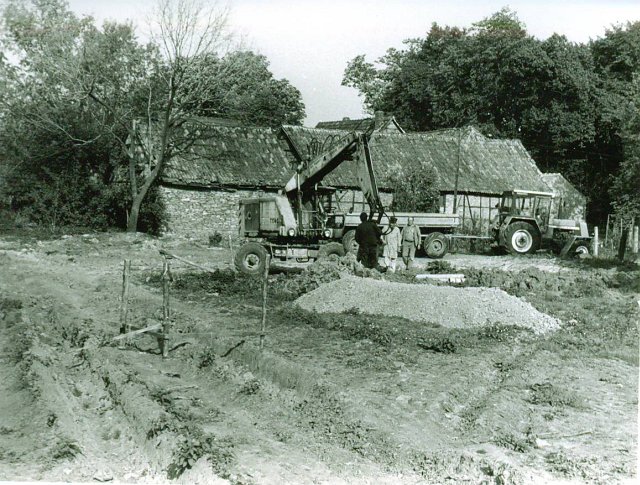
column 251, row 258
column 435, row 245
column 349, row 242
column 329, row 249
column 522, row 238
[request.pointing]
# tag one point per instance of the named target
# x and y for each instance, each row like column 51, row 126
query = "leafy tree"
column 97, row 96
column 244, row 89
column 416, row 191
column 562, row 99
column 625, row 189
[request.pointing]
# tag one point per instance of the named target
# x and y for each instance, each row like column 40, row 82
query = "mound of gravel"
column 443, row 305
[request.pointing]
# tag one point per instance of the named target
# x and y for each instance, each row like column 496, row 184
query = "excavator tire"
column 329, row 249
column 251, row 258
column 349, row 242
column 435, row 245
column 522, row 238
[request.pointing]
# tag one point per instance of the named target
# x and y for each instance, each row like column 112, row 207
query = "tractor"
column 525, row 224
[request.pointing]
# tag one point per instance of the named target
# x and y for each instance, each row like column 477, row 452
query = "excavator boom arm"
column 353, row 146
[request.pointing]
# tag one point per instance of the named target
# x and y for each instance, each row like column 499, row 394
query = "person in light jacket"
column 392, row 239
column 410, row 242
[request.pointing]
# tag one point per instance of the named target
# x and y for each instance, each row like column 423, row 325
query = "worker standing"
column 410, row 242
column 392, row 242
column 368, row 237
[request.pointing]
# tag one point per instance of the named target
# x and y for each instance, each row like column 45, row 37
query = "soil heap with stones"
column 442, row 305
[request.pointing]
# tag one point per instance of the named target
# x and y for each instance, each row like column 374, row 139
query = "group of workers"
column 395, row 241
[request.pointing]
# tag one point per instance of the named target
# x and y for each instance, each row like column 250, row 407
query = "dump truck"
column 525, row 223
column 302, row 223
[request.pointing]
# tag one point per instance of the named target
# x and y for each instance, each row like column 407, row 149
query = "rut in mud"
column 345, row 397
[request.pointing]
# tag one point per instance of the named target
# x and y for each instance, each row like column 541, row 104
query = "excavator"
column 300, row 221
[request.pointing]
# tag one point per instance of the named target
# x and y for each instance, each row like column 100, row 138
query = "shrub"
column 416, row 190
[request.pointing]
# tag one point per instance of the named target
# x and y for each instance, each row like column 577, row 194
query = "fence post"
column 606, row 232
column 622, row 248
column 634, row 242
column 166, row 309
column 596, row 242
column 124, row 300
column 265, row 285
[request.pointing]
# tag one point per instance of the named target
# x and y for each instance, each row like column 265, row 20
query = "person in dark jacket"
column 368, row 237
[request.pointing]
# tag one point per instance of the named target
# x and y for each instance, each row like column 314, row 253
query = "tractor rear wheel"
column 329, row 249
column 251, row 258
column 522, row 238
column 435, row 245
column 349, row 242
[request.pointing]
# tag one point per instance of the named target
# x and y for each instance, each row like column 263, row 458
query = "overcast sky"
column 309, row 42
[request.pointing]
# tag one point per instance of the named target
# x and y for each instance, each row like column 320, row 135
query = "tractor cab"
column 534, row 207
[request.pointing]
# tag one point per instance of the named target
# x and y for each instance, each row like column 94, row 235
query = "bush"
column 416, row 190
column 70, row 191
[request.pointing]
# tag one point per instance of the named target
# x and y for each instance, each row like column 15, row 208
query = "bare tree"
column 186, row 31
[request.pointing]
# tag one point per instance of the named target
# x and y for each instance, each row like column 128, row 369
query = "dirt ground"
column 333, row 398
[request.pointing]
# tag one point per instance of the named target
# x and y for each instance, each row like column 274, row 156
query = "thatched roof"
column 486, row 165
column 233, row 156
column 244, row 156
column 365, row 125
column 560, row 185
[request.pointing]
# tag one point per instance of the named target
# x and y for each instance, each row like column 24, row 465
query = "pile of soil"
column 445, row 306
column 323, row 271
column 585, row 283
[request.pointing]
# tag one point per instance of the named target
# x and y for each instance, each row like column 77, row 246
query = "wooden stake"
column 124, row 300
column 166, row 309
column 596, row 242
column 634, row 242
column 606, row 232
column 622, row 248
column 265, row 285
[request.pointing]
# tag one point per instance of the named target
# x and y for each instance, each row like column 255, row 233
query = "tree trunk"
column 132, row 223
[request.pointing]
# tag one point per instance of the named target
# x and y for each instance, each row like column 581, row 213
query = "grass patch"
column 551, row 395
column 195, row 445
column 393, row 332
column 65, row 449
column 519, row 442
column 610, row 263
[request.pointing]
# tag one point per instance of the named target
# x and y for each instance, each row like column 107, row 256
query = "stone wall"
column 199, row 214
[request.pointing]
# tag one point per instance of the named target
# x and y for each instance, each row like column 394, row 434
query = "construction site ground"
column 349, row 397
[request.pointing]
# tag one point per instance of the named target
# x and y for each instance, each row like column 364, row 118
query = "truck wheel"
column 435, row 245
column 522, row 238
column 581, row 251
column 349, row 242
column 329, row 249
column 251, row 258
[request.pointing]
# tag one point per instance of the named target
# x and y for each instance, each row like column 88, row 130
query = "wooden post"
column 166, row 309
column 606, row 232
column 634, row 242
column 623, row 244
column 265, row 284
column 124, row 300
column 596, row 242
